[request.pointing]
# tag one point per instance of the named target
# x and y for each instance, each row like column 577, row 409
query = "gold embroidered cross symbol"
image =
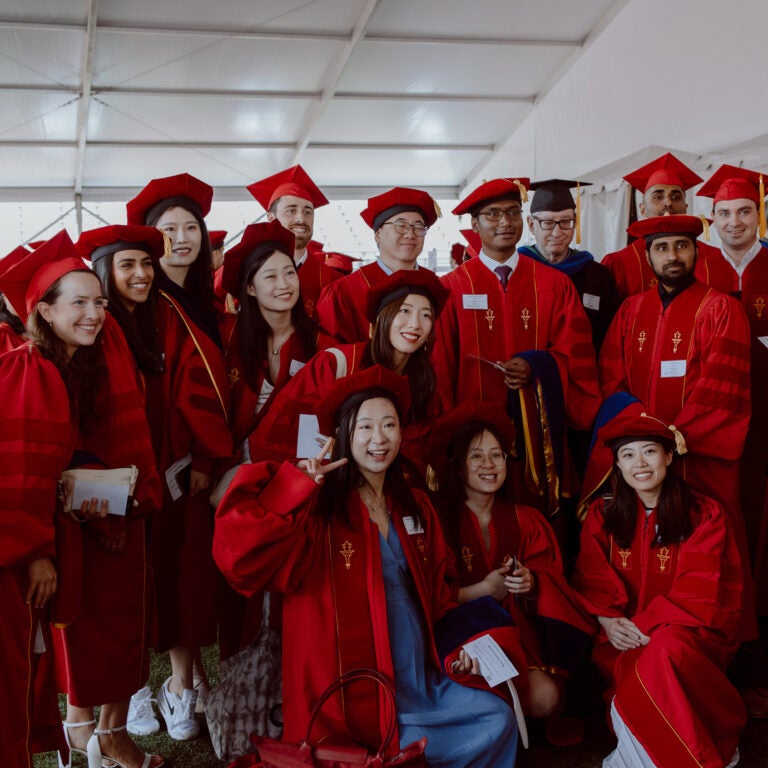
column 466, row 556
column 759, row 305
column 526, row 316
column 677, row 337
column 234, row 375
column 347, row 551
column 490, row 316
column 663, row 555
column 624, row 555
column 642, row 336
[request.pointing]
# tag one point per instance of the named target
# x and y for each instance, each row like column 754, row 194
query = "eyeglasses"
column 403, row 227
column 477, row 458
column 497, row 214
column 548, row 225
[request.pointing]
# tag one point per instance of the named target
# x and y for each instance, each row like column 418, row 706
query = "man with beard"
column 682, row 348
column 663, row 183
column 291, row 197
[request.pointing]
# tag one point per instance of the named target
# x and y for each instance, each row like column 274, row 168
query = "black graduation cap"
column 554, row 194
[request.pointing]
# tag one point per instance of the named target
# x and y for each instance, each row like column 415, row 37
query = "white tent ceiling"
column 99, row 96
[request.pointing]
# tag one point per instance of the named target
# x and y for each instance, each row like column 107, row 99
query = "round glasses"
column 403, row 227
column 495, row 215
column 478, row 458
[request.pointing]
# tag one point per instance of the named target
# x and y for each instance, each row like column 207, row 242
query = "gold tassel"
column 578, row 214
column 705, row 223
column 437, row 209
column 167, row 247
column 761, row 225
column 431, row 479
column 680, row 445
column 523, row 191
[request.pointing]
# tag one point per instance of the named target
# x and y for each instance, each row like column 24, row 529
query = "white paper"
column 309, row 441
column 764, row 340
column 116, row 495
column 495, row 665
column 591, row 301
column 475, row 300
column 295, row 367
column 412, row 526
column 672, row 369
column 173, row 476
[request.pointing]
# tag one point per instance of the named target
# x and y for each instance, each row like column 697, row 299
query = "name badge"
column 591, row 301
column 412, row 526
column 672, row 369
column 295, row 367
column 475, row 300
column 763, row 340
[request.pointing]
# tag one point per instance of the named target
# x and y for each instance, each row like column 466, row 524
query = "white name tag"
column 295, row 367
column 591, row 301
column 412, row 526
column 672, row 369
column 763, row 340
column 475, row 300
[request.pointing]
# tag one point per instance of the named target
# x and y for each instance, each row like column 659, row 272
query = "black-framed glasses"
column 495, row 215
column 548, row 225
column 403, row 227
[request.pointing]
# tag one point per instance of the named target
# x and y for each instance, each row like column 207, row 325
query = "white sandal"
column 72, row 749
column 96, row 758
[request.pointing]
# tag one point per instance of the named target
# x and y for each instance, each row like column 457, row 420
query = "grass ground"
column 597, row 743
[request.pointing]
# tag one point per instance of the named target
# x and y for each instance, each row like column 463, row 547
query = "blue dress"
column 465, row 727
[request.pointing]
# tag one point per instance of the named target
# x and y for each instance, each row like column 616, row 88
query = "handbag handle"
column 349, row 677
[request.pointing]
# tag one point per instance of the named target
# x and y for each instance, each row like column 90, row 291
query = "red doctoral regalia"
column 554, row 614
column 268, row 536
column 341, row 310
column 314, row 276
column 672, row 693
column 37, row 439
column 187, row 408
column 540, row 310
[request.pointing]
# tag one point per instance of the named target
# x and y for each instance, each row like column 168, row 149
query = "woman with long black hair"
column 660, row 570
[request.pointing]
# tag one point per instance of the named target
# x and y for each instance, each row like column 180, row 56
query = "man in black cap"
column 554, row 220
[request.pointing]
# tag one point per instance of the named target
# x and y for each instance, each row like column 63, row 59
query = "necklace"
column 276, row 350
column 376, row 505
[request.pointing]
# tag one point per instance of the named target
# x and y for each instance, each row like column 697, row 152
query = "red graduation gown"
column 701, row 343
column 37, row 441
column 276, row 434
column 102, row 654
column 754, row 298
column 341, row 308
column 9, row 339
column 521, row 531
column 672, row 693
column 244, row 399
column 187, row 407
column 633, row 274
column 334, row 610
column 540, row 310
column 314, row 276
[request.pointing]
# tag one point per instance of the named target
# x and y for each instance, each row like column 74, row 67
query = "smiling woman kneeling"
column 660, row 570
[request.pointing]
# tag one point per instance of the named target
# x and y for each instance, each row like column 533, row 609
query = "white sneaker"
column 141, row 716
column 178, row 712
